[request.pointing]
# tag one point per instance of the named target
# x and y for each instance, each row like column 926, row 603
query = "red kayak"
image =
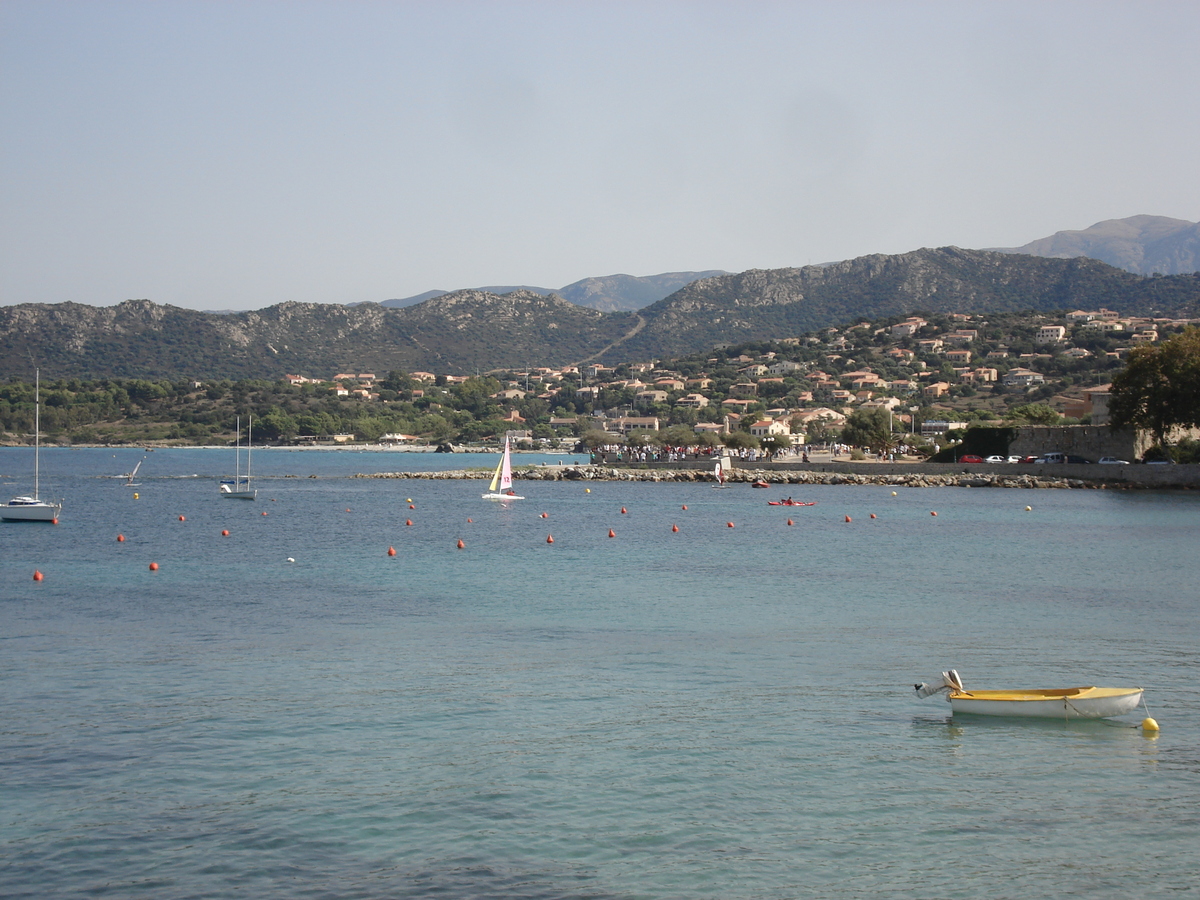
column 760, row 484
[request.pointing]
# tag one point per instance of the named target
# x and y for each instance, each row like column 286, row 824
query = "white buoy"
column 291, row 559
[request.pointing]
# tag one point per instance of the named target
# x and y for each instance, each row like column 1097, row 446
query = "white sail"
column 500, row 487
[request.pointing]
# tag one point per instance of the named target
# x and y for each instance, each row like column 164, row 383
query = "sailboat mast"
column 237, row 455
column 37, row 428
column 249, row 445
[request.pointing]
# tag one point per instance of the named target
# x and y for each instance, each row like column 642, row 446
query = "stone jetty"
column 889, row 478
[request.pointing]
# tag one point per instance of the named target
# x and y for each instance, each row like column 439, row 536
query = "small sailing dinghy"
column 721, row 470
column 501, row 486
column 239, row 488
column 1041, row 703
column 33, row 509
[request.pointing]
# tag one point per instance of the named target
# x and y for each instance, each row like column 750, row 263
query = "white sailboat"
column 723, row 465
column 130, row 476
column 239, row 488
column 33, row 509
column 501, row 487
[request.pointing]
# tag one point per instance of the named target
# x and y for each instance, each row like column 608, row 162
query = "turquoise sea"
column 725, row 712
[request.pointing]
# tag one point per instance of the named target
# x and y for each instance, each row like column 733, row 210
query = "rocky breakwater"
column 749, row 476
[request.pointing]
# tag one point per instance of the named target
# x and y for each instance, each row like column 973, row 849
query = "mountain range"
column 470, row 331
column 608, row 293
column 1139, row 244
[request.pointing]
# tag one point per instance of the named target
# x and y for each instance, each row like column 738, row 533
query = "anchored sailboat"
column 33, row 509
column 239, row 488
column 501, row 487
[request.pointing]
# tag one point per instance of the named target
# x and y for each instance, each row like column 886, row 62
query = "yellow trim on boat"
column 1037, row 694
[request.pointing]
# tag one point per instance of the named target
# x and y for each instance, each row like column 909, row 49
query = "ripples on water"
column 714, row 712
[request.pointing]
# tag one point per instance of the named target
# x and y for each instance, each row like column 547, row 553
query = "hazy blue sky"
column 233, row 155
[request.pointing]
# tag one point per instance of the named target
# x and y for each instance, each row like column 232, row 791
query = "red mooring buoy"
column 789, row 521
column 391, row 551
column 674, row 528
column 611, row 533
column 544, row 516
column 409, row 521
column 622, row 510
column 848, row 519
column 461, row 545
column 153, row 567
column 120, row 538
column 37, row 575
column 549, row 539
column 728, row 524
column 224, row 532
column 872, row 515
column 932, row 513
column 182, row 519
column 684, row 506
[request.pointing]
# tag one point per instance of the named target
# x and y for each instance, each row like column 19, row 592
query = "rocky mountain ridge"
column 472, row 331
column 1143, row 245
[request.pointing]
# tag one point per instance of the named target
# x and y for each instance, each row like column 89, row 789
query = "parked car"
column 970, row 458
column 1160, row 462
column 1113, row 461
column 1027, row 459
column 995, row 459
column 1051, row 459
column 1079, row 460
column 1019, row 459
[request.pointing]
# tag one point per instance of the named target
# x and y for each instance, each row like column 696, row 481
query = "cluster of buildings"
column 830, row 393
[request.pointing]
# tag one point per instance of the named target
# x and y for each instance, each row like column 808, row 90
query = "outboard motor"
column 947, row 681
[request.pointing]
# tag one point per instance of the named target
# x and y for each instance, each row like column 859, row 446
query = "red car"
column 970, row 458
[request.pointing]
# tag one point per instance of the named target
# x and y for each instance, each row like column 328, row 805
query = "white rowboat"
column 1040, row 703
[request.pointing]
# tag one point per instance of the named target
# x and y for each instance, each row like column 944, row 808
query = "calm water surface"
column 713, row 712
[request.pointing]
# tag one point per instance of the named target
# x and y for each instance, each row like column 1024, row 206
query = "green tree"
column 868, row 428
column 1033, row 414
column 1159, row 388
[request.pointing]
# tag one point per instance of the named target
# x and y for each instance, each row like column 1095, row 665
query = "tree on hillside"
column 1159, row 388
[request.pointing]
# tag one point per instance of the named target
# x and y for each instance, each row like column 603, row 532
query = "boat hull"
column 495, row 496
column 239, row 495
column 30, row 512
column 1064, row 703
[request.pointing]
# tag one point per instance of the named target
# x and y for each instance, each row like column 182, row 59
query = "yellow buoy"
column 135, row 496
column 1148, row 724
column 893, row 493
column 1029, row 509
column 587, row 490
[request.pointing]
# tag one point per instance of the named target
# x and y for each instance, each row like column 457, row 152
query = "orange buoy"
column 391, row 551
column 872, row 515
column 410, row 506
column 182, row 519
column 461, row 545
column 685, row 506
column 549, row 539
column 789, row 521
column 674, row 527
column 409, row 521
column 347, row 509
column 120, row 538
column 153, row 567
column 264, row 512
column 847, row 518
column 728, row 524
column 622, row 510
column 37, row 575
column 611, row 533
column 544, row 516
column 468, row 521
column 932, row 513
column 54, row 521
column 224, row 532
